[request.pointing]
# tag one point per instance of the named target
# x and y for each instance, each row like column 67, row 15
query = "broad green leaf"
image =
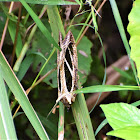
column 134, row 31
column 84, row 56
column 105, row 88
column 5, row 112
column 41, row 44
column 104, row 122
column 120, row 115
column 46, row 2
column 21, row 96
column 128, row 133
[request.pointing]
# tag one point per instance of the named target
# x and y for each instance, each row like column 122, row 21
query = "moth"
column 67, row 68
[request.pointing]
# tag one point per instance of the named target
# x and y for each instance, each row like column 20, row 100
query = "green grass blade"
column 2, row 132
column 26, row 63
column 61, row 121
column 102, row 124
column 79, row 106
column 57, row 27
column 122, row 33
column 46, row 2
column 5, row 112
column 82, row 118
column 106, row 88
column 21, row 97
column 124, row 74
column 40, row 25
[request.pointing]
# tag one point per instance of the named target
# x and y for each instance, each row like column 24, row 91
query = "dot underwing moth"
column 67, row 68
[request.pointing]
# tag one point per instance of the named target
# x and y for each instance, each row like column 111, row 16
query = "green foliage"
column 21, row 96
column 124, row 119
column 84, row 57
column 37, row 48
column 134, row 31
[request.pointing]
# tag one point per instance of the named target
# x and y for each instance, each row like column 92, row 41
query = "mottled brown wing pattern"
column 67, row 67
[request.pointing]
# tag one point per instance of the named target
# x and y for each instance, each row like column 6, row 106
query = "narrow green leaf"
column 106, row 88
column 21, row 96
column 128, row 133
column 124, row 74
column 5, row 112
column 121, row 115
column 51, row 128
column 56, row 27
column 24, row 66
column 45, row 2
column 61, row 121
column 2, row 131
column 80, row 111
column 79, row 2
column 102, row 124
column 82, row 118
